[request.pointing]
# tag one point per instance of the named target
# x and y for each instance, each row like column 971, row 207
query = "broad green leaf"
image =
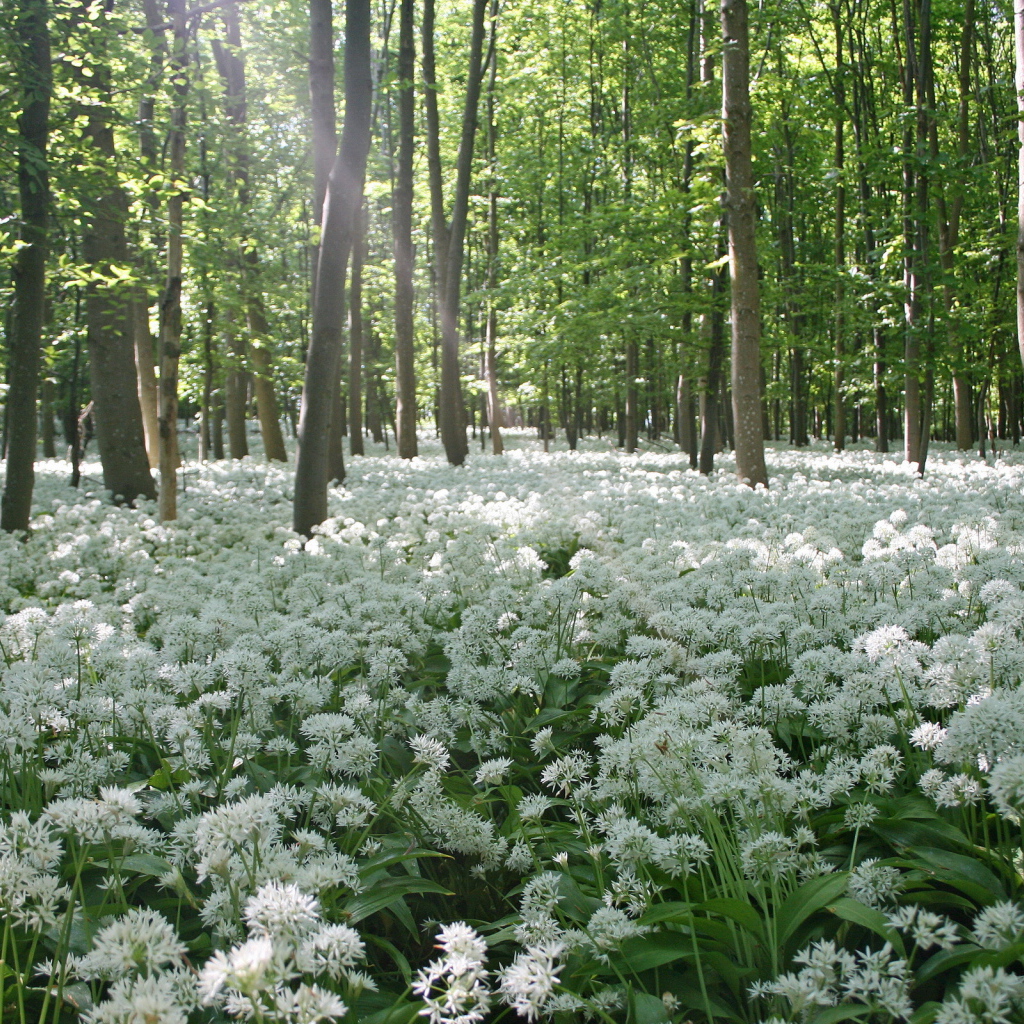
column 736, row 910
column 875, row 920
column 648, row 1009
column 812, row 896
column 387, row 891
column 832, row 1014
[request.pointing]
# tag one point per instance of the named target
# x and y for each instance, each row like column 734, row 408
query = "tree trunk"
column 33, row 40
column 117, row 413
column 344, row 198
column 231, row 65
column 632, row 371
column 739, row 201
column 493, row 403
column 401, row 225
column 355, row 340
column 839, row 322
column 145, row 373
column 235, row 388
column 46, row 417
column 709, row 430
column 449, row 239
column 170, row 303
column 321, row 103
column 1018, row 37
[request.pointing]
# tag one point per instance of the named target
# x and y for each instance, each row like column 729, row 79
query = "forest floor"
column 674, row 749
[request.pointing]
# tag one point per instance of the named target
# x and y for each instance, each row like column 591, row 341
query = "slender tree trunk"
column 321, row 102
column 117, row 413
column 746, row 311
column 493, row 403
column 401, row 220
column 355, row 340
column 46, row 416
column 1018, row 36
column 715, row 328
column 449, row 239
column 144, row 343
column 32, row 34
column 341, row 206
column 231, row 65
column 839, row 322
column 235, row 392
column 170, row 303
column 632, row 371
column 145, row 371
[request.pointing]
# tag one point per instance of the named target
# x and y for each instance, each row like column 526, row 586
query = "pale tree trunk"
column 344, row 198
column 1018, row 36
column 231, row 65
column 109, row 321
column 32, row 34
column 449, row 238
column 739, row 200
column 145, row 372
column 170, row 302
column 145, row 346
column 401, row 224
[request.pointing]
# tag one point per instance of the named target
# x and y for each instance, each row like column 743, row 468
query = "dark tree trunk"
column 401, row 220
column 33, row 39
column 344, row 198
column 449, row 239
column 109, row 310
column 739, row 201
column 321, row 102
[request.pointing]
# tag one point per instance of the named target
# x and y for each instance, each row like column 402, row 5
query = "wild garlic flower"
column 454, row 989
column 529, row 981
column 143, row 942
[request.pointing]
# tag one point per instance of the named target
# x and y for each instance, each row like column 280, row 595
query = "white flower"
column 490, row 773
column 429, row 751
column 529, row 981
column 928, row 736
column 277, row 910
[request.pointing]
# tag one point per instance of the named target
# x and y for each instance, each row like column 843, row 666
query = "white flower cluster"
column 665, row 670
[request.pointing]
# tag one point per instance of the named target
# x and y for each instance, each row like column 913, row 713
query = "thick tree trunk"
column 344, row 198
column 33, row 39
column 739, row 201
column 235, row 400
column 401, row 224
column 170, row 303
column 117, row 412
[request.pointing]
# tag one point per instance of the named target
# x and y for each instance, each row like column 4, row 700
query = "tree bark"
column 449, row 239
column 170, row 303
column 231, row 65
column 117, row 413
column 1018, row 38
column 145, row 373
column 493, row 402
column 401, row 224
column 321, row 102
column 739, row 201
column 33, row 40
column 343, row 200
column 839, row 321
column 355, row 341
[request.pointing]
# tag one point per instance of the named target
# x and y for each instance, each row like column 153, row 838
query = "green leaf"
column 736, row 910
column 954, row 868
column 812, row 896
column 650, row 951
column 875, row 920
column 394, row 952
column 387, row 891
column 837, row 1013
column 648, row 1009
